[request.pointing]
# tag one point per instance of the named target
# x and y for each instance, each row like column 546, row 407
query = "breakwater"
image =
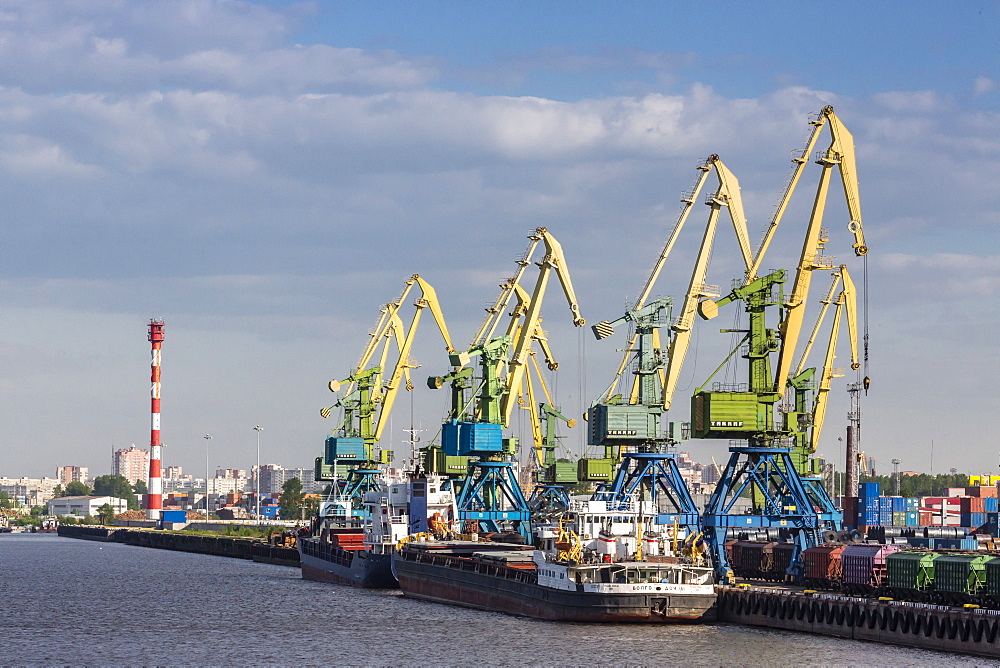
column 965, row 630
column 254, row 549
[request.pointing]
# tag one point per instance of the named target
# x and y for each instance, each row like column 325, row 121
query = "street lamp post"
column 207, row 439
column 258, row 429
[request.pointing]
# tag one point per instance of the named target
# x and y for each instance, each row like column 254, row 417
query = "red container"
column 926, row 518
column 982, row 491
column 973, row 504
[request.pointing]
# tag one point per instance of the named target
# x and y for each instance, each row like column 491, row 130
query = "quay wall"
column 220, row 546
column 943, row 628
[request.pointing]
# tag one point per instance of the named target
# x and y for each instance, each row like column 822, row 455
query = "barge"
column 519, row 580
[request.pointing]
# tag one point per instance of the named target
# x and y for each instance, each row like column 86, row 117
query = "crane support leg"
column 655, row 474
column 782, row 498
column 491, row 496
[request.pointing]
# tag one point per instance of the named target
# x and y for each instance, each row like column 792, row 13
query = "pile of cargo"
column 975, row 508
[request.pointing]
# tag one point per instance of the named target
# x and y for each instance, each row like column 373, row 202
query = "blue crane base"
column 360, row 481
column 784, row 503
column 490, row 495
column 549, row 498
column 655, row 473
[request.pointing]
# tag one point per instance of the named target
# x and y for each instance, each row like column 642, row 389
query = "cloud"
column 984, row 85
column 182, row 159
column 52, row 48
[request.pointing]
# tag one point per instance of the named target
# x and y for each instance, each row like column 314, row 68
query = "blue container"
column 885, row 504
column 463, row 439
column 921, row 542
column 991, row 504
column 174, row 516
column 912, row 504
column 885, row 519
column 871, row 517
column 269, row 511
column 912, row 518
column 352, row 449
column 973, row 520
column 898, row 504
column 868, row 490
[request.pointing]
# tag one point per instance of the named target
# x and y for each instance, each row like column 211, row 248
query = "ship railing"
column 327, row 552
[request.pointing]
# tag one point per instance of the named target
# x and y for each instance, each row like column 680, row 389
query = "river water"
column 72, row 602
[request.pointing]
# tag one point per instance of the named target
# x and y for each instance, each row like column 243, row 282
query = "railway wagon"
column 863, row 567
column 822, row 567
column 753, row 559
column 910, row 575
column 959, row 578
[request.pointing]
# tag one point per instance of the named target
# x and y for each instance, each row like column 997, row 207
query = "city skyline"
column 263, row 176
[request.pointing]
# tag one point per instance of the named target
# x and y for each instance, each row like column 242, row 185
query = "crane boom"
column 840, row 154
column 554, row 260
column 728, row 195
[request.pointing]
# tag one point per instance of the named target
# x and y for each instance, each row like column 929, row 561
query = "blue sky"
column 264, row 176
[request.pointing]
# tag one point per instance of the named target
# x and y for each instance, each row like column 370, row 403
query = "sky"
column 264, row 176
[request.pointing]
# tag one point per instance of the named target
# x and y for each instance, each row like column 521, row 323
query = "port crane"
column 367, row 396
column 490, row 494
column 764, row 467
column 629, row 429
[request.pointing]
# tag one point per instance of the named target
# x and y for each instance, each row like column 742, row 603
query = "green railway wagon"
column 910, row 575
column 959, row 577
column 993, row 578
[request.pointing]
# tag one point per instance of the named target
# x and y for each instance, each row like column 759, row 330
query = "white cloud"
column 984, row 85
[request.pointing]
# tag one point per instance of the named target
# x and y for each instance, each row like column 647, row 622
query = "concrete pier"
column 963, row 630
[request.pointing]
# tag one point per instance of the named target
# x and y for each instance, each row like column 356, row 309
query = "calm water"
column 72, row 602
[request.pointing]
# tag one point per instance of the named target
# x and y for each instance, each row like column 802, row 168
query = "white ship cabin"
column 614, row 533
column 625, row 577
column 387, row 519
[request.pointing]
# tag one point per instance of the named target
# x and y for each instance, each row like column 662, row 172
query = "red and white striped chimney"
column 154, row 497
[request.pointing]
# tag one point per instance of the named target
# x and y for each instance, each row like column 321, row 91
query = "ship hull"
column 516, row 594
column 325, row 563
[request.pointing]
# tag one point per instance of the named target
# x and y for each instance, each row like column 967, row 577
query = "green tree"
column 116, row 486
column 106, row 514
column 57, row 491
column 77, row 488
column 140, row 487
column 5, row 501
column 291, row 499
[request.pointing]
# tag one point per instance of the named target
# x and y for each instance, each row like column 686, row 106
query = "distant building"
column 29, row 491
column 173, row 473
column 273, row 478
column 67, row 474
column 81, row 506
column 229, row 481
column 132, row 464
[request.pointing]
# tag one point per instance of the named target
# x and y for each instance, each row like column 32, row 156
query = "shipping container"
column 973, row 520
column 898, row 504
column 912, row 503
column 899, row 519
column 991, row 504
column 912, row 518
column 973, row 504
column 983, row 491
column 869, row 489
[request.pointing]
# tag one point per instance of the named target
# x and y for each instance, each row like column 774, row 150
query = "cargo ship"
column 520, row 580
column 355, row 546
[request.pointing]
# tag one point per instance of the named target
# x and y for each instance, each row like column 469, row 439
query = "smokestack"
column 154, row 499
column 851, row 476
